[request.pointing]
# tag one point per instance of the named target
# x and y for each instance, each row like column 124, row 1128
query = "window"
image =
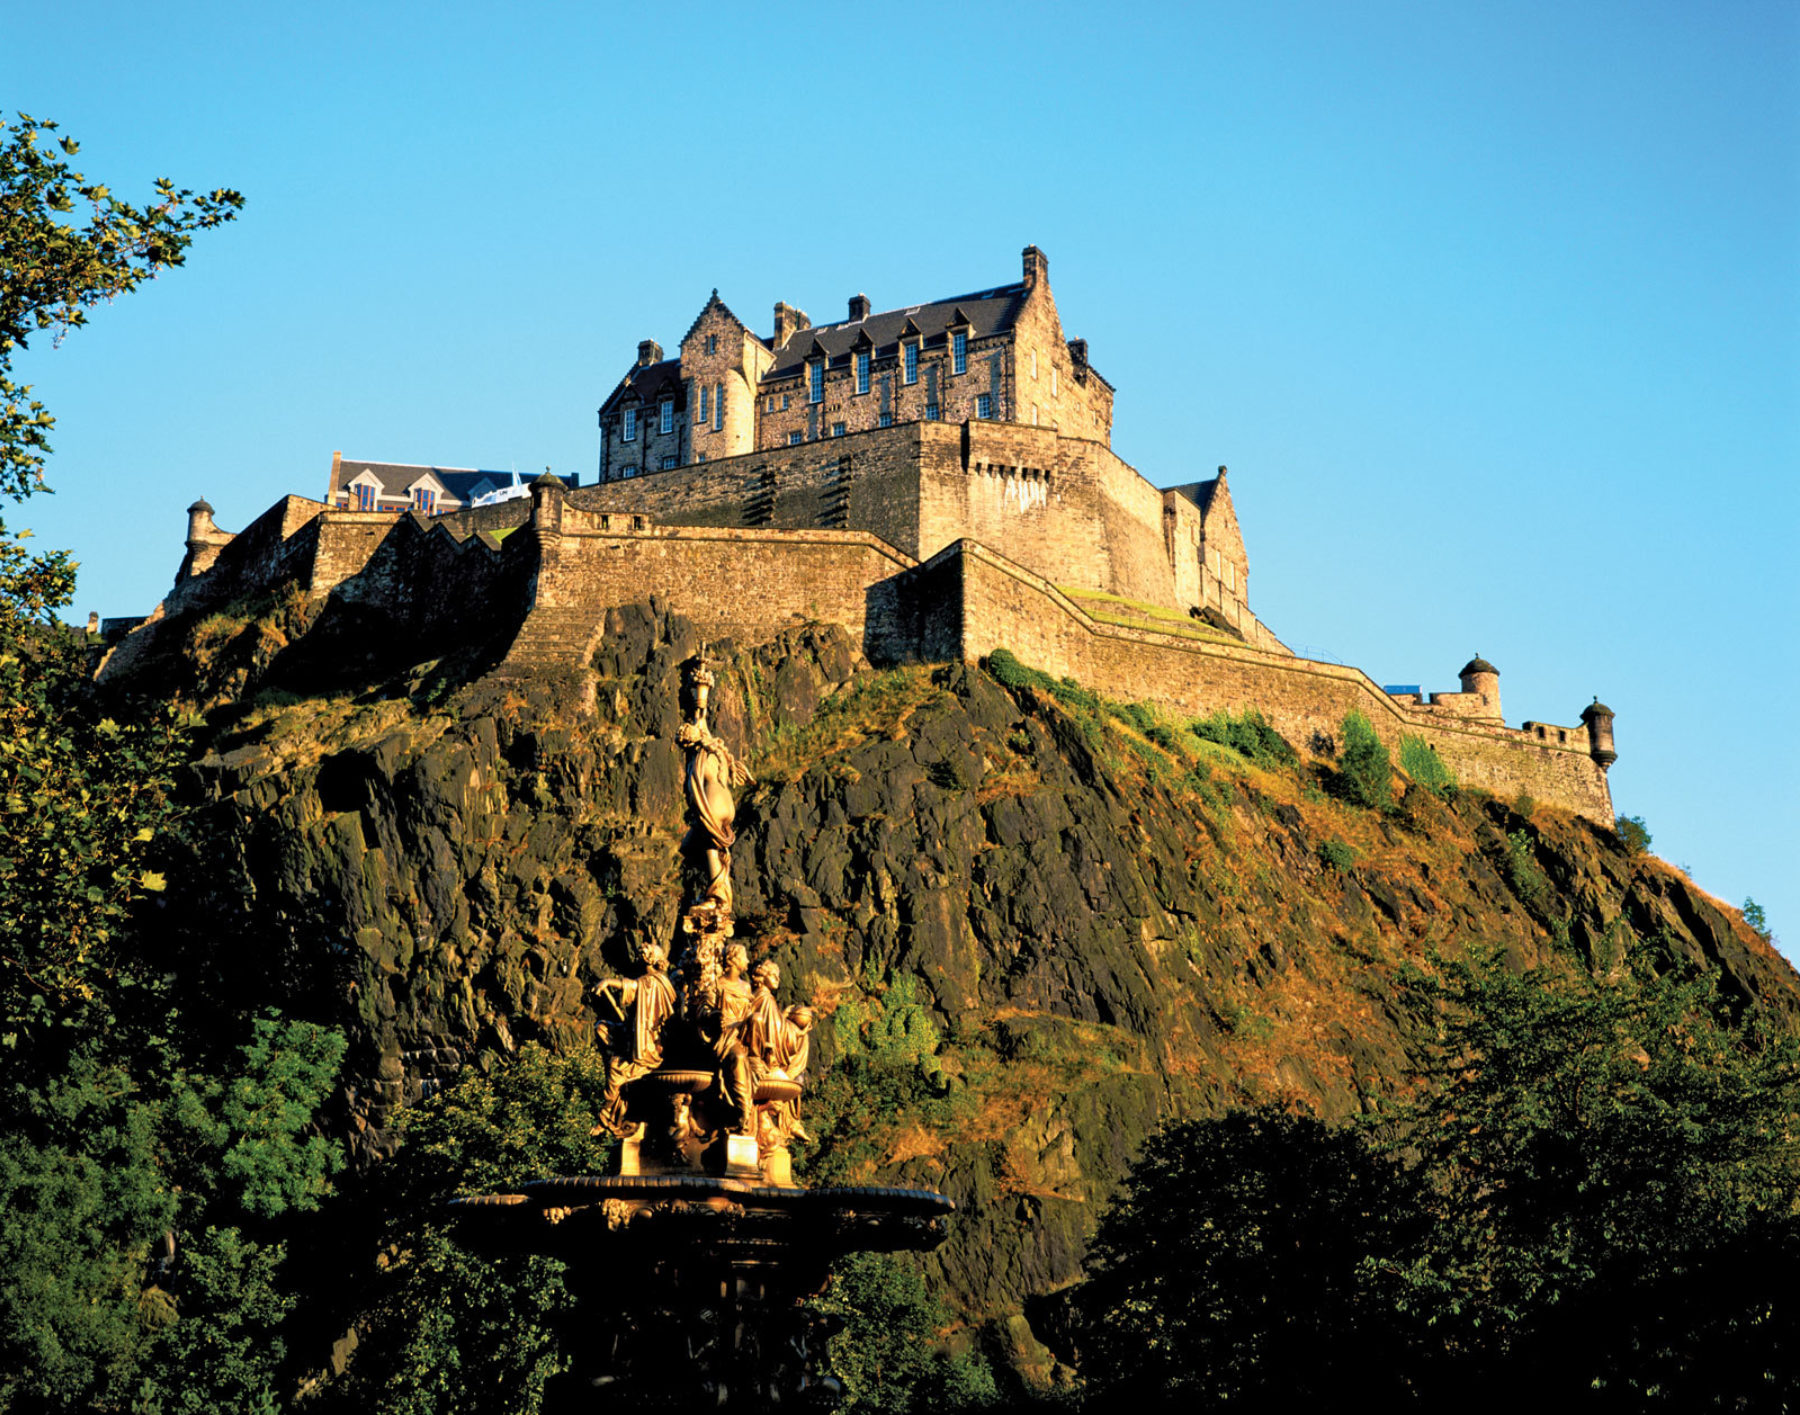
column 699, row 456
column 1034, row 363
column 837, row 429
column 862, row 370
column 912, row 362
column 1053, row 392
column 887, row 419
column 718, row 407
column 705, row 406
column 1034, row 421
column 425, row 500
column 959, row 351
column 815, row 381
column 666, row 416
column 931, row 412
column 795, row 438
column 984, row 405
column 771, row 407
column 365, row 497
column 629, row 431
column 784, row 402
column 712, row 343
column 669, row 461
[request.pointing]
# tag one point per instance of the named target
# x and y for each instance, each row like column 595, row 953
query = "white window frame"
column 959, row 351
column 886, row 420
column 796, row 437
column 838, row 429
column 984, row 406
column 815, row 381
column 910, row 356
column 862, row 370
column 665, row 415
column 628, row 425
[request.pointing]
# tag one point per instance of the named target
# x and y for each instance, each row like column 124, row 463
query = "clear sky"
column 1492, row 309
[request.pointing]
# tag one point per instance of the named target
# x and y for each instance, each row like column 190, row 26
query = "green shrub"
column 1522, row 870
column 1524, row 805
column 1365, row 771
column 1250, row 736
column 1633, row 834
column 1338, row 855
column 1420, row 761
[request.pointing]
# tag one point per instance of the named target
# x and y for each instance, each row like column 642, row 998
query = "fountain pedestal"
column 690, row 1289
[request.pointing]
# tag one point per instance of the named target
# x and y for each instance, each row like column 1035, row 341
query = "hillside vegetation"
column 1038, row 925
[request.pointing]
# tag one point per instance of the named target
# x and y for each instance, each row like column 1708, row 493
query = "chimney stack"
column 1078, row 352
column 649, row 352
column 1037, row 268
column 859, row 308
column 788, row 322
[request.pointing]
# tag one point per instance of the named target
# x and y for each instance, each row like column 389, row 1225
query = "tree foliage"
column 889, row 1352
column 1593, row 1206
column 57, row 269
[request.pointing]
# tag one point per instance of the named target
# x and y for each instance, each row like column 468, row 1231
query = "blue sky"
column 1492, row 309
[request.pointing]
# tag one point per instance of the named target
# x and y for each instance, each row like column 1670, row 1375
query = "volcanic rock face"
column 1033, row 931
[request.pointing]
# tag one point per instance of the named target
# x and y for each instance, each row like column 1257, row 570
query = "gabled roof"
column 395, row 478
column 652, row 383
column 1203, row 493
column 985, row 312
column 714, row 303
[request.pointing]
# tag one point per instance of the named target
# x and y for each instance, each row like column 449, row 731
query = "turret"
column 204, row 540
column 1480, row 678
column 1597, row 717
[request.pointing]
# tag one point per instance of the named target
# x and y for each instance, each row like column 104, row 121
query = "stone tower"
column 1481, row 679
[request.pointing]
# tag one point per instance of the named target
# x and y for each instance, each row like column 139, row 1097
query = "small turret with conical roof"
column 1480, row 678
column 204, row 540
column 1597, row 717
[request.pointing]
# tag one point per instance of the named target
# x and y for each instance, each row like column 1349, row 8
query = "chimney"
column 859, row 308
column 1078, row 352
column 649, row 352
column 788, row 322
column 1037, row 268
column 337, row 460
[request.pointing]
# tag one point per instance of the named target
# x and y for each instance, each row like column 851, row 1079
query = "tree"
column 1608, row 1166
column 1232, row 1271
column 148, row 1167
column 55, row 271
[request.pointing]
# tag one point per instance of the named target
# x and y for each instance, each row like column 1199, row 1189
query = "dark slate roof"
column 1596, row 709
column 396, row 477
column 1478, row 664
column 986, row 312
column 1201, row 493
column 652, row 383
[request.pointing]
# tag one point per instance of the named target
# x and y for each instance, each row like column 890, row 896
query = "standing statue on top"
column 711, row 773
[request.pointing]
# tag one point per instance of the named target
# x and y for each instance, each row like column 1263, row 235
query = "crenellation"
column 753, row 482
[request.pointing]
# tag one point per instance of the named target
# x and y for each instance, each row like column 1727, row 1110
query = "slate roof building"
column 404, row 486
column 991, row 355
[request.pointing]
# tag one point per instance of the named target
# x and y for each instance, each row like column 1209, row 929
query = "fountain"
column 690, row 1266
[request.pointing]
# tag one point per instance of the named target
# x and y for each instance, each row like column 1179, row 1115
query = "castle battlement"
column 928, row 538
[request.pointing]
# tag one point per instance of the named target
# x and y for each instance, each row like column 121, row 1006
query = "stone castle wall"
column 1002, row 605
column 543, row 594
column 1070, row 510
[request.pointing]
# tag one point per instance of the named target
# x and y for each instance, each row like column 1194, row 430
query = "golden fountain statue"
column 690, row 1264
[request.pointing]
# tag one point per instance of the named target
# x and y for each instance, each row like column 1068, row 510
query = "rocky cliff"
column 1036, row 924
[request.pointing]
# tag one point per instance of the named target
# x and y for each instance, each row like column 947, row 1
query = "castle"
column 938, row 479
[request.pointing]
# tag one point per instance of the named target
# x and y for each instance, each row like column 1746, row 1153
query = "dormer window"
column 862, row 370
column 959, row 351
column 425, row 500
column 365, row 497
column 912, row 361
column 815, row 381
column 666, row 416
column 628, row 425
